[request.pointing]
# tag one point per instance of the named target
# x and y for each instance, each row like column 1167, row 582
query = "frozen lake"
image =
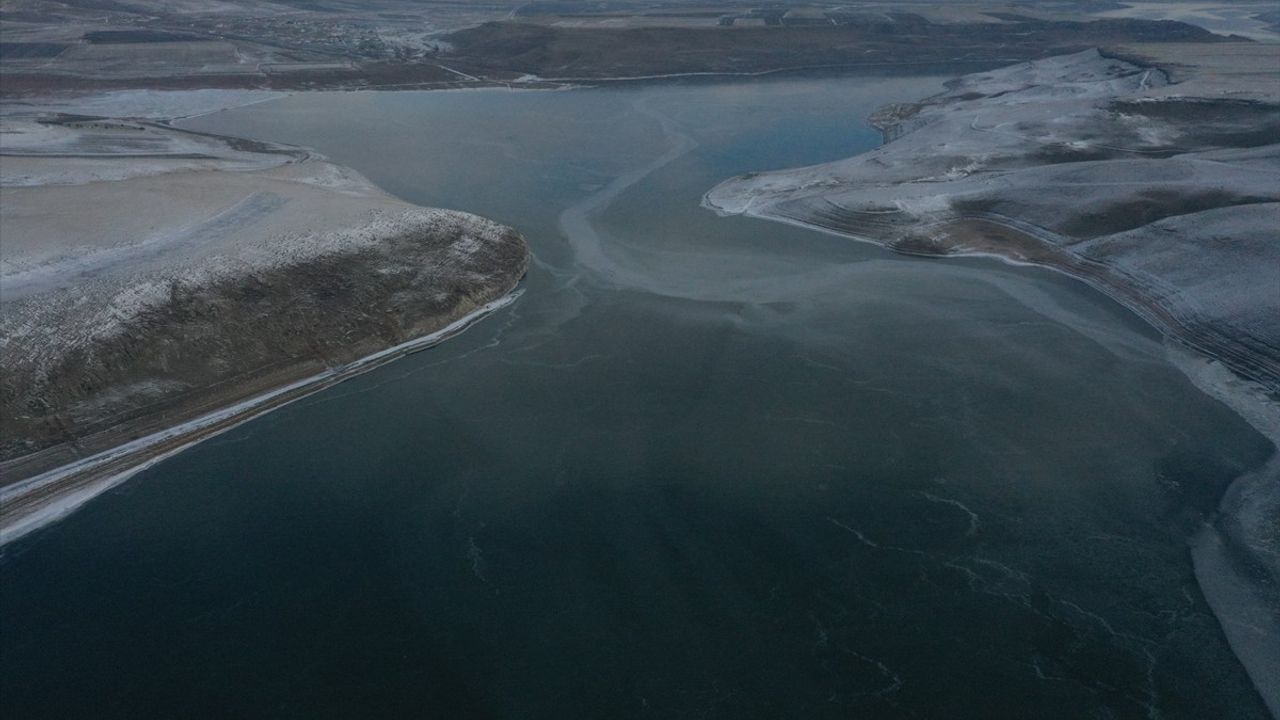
column 702, row 467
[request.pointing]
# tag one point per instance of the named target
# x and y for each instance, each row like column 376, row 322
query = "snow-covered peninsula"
column 161, row 285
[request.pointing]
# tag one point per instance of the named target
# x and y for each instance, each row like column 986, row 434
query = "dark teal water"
column 704, row 467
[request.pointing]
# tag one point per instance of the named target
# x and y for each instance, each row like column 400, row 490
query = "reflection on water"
column 704, row 467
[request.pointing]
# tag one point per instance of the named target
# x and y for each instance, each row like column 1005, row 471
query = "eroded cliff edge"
column 160, row 285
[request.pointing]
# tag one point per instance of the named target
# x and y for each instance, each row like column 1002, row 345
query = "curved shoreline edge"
column 38, row 501
column 1248, row 390
column 1216, row 547
column 224, row 277
column 1229, row 551
column 1233, row 555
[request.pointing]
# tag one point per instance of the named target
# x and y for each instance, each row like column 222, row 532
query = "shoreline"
column 1222, row 574
column 580, row 81
column 1235, row 554
column 1130, row 297
column 537, row 83
column 41, row 500
column 280, row 223
column 1225, row 553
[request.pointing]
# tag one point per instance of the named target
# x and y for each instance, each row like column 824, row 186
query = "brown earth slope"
column 152, row 279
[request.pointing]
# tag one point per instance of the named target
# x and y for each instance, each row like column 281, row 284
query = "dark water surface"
column 704, row 467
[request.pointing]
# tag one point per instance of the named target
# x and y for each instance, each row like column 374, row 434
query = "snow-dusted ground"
column 160, row 283
column 1172, row 200
column 1104, row 170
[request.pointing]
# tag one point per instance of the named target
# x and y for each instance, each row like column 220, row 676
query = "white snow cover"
column 104, row 218
column 1039, row 147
